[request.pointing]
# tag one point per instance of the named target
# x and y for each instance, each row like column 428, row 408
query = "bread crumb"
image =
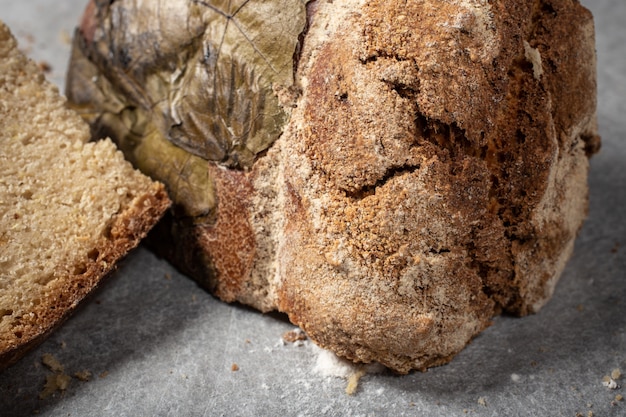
column 353, row 381
column 65, row 37
column 616, row 374
column 44, row 66
column 294, row 336
column 51, row 363
column 482, row 401
column 619, row 397
column 84, row 375
column 104, row 374
column 234, row 367
column 54, row 382
column 590, row 413
column 168, row 276
column 609, row 382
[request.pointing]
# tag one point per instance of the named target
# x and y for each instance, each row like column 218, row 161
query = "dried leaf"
column 176, row 83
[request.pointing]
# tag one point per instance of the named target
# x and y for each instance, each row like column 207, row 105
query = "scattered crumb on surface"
column 234, row 367
column 54, row 382
column 45, row 66
column 482, row 401
column 616, row 374
column 353, row 381
column 83, row 375
column 619, row 397
column 104, row 374
column 609, row 382
column 330, row 365
column 615, row 248
column 65, row 37
column 515, row 378
column 51, row 363
column 295, row 335
column 168, row 276
column 590, row 413
column 580, row 307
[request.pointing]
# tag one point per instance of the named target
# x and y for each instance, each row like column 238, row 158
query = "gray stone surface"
column 156, row 344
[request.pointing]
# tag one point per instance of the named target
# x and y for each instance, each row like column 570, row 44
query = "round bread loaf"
column 390, row 174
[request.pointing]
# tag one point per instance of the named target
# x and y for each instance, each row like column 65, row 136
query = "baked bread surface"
column 69, row 209
column 432, row 172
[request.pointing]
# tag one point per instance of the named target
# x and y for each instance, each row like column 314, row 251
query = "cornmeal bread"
column 69, row 208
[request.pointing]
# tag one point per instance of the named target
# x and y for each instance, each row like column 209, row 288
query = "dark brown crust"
column 127, row 230
column 461, row 170
column 230, row 242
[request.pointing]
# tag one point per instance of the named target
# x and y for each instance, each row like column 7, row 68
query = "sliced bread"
column 69, row 208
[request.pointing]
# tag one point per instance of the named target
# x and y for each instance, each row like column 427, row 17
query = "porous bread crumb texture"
column 68, row 208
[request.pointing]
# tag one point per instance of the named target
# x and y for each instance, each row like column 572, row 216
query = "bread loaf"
column 391, row 174
column 68, row 209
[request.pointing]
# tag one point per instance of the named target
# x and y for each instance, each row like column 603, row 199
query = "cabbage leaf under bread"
column 179, row 83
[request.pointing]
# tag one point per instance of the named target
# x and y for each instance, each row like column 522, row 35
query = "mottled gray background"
column 156, row 344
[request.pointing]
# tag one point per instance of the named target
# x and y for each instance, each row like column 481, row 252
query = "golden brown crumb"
column 104, row 374
column 65, row 37
column 83, row 375
column 168, row 276
column 44, row 66
column 482, row 401
column 55, row 382
column 51, row 363
column 293, row 336
column 353, row 381
column 590, row 413
column 234, row 367
column 616, row 373
column 609, row 382
column 619, row 397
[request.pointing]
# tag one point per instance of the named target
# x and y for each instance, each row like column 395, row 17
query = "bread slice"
column 69, row 208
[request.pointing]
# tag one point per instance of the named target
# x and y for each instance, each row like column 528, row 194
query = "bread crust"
column 432, row 174
column 439, row 173
column 127, row 230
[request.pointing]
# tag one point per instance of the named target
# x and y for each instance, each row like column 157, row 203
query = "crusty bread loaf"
column 430, row 173
column 69, row 209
